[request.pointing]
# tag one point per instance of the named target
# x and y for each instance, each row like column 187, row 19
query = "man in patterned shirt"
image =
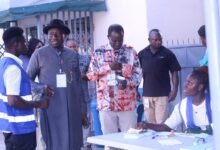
column 116, row 69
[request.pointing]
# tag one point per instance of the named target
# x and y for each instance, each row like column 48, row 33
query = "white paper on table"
column 169, row 142
column 136, row 133
column 133, row 136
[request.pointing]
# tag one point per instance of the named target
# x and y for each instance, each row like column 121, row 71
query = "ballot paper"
column 133, row 133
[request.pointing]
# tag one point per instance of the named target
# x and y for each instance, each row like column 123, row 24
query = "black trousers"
column 20, row 141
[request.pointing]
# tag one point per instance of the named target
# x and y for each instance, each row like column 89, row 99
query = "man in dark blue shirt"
column 157, row 64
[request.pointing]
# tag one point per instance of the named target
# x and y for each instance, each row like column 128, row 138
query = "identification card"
column 61, row 80
column 111, row 78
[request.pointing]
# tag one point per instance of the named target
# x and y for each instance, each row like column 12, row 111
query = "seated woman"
column 194, row 110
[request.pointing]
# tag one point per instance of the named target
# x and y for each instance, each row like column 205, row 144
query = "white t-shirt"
column 199, row 115
column 12, row 76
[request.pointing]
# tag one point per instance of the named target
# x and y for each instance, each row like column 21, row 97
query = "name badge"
column 111, row 78
column 61, row 80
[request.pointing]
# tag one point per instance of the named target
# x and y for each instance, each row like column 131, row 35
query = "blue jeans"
column 140, row 107
column 95, row 118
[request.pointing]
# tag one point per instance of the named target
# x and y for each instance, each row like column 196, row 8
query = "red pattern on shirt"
column 111, row 98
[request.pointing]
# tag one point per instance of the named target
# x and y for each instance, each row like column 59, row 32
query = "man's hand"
column 85, row 121
column 172, row 96
column 175, row 82
column 116, row 66
column 122, row 84
column 138, row 96
column 84, row 77
column 142, row 125
column 43, row 104
column 48, row 91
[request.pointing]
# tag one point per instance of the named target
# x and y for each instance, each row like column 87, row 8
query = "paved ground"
column 39, row 147
column 2, row 144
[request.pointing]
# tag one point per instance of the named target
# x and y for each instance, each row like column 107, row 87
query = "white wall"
column 4, row 5
column 178, row 20
column 131, row 14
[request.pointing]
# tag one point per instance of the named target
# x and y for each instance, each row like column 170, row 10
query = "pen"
column 154, row 136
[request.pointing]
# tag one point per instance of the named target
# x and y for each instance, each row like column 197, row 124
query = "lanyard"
column 60, row 61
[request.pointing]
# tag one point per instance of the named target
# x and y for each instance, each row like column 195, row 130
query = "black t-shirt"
column 156, row 68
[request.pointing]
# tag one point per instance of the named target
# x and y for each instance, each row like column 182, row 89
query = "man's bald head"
column 155, row 39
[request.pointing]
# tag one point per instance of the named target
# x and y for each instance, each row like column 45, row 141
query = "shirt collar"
column 18, row 60
column 160, row 48
column 61, row 49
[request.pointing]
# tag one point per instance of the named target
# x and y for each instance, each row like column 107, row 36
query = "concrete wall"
column 4, row 5
column 178, row 20
column 131, row 14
